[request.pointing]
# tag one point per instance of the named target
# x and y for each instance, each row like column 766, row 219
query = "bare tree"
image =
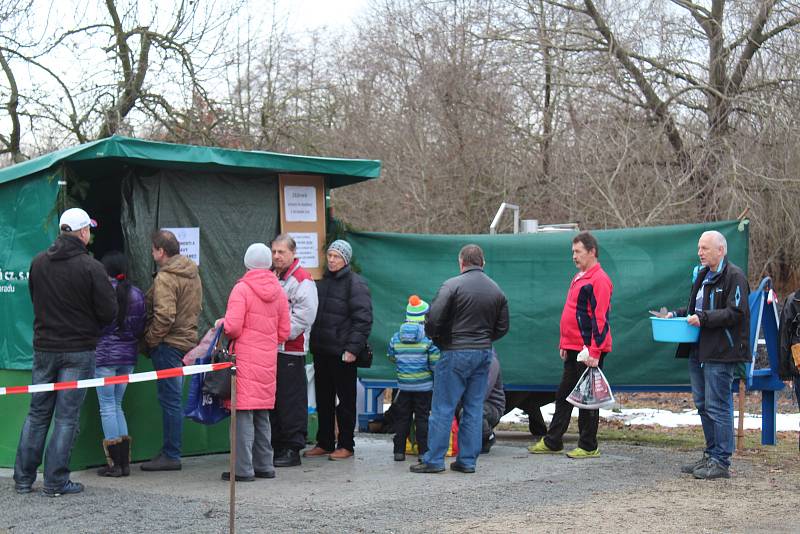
column 100, row 72
column 11, row 14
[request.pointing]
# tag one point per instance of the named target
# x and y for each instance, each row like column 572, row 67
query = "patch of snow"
column 666, row 418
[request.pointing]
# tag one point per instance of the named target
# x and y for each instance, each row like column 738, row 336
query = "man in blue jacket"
column 718, row 304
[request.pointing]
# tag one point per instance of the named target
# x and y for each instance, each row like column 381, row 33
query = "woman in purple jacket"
column 116, row 355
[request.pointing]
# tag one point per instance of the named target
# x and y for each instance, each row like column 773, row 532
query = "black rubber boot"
column 112, row 450
column 125, row 455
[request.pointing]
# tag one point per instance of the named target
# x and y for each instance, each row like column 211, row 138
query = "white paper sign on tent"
column 189, row 239
column 307, row 248
column 300, row 203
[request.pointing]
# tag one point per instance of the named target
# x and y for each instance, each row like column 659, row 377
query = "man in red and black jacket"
column 584, row 325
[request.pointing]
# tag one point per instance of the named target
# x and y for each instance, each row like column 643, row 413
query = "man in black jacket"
column 718, row 304
column 72, row 301
column 469, row 313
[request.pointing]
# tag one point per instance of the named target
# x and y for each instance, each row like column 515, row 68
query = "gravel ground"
column 627, row 489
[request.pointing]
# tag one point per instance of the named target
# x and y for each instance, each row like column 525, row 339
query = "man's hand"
column 669, row 315
column 563, row 354
column 218, row 322
column 348, row 357
column 592, row 362
column 693, row 320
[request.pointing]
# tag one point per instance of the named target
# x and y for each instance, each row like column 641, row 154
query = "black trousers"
column 587, row 419
column 289, row 418
column 333, row 378
column 406, row 404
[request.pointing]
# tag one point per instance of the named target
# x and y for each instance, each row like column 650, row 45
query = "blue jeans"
column 65, row 405
column 459, row 375
column 110, row 400
column 170, row 395
column 711, row 390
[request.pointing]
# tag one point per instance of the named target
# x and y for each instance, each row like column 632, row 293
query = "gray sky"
column 308, row 14
column 79, row 66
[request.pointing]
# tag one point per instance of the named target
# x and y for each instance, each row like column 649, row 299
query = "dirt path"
column 629, row 489
column 751, row 504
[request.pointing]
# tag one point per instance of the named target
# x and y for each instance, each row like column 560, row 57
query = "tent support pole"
column 232, row 507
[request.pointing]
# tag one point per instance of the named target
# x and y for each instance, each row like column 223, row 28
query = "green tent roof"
column 339, row 171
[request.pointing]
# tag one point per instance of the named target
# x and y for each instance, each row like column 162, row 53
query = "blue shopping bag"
column 202, row 407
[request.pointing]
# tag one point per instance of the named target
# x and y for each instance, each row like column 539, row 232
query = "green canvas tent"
column 132, row 187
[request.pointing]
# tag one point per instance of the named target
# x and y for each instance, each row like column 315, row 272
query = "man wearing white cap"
column 72, row 301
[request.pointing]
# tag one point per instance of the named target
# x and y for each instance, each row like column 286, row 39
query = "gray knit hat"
column 258, row 256
column 343, row 249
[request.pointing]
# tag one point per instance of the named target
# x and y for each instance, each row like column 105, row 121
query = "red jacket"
column 257, row 320
column 584, row 320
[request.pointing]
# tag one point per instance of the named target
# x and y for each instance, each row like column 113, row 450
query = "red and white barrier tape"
column 121, row 379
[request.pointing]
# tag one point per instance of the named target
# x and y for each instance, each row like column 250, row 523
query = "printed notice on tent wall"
column 300, row 203
column 189, row 238
column 307, row 249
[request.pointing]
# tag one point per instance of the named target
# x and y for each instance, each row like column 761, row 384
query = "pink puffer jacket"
column 257, row 320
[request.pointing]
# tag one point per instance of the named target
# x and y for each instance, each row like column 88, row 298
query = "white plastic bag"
column 592, row 391
column 312, row 393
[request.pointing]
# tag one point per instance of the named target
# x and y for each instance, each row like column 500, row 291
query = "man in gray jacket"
column 469, row 313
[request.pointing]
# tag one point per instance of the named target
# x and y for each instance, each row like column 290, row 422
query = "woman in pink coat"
column 257, row 320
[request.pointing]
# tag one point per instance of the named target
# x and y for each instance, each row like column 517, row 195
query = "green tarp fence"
column 649, row 267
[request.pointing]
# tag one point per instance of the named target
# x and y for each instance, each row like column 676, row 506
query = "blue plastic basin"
column 675, row 330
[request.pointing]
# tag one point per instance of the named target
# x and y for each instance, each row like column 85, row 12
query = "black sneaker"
column 162, row 463
column 399, row 457
column 487, row 445
column 227, row 476
column 711, row 471
column 68, row 488
column 22, row 489
column 461, row 468
column 287, row 458
column 691, row 468
column 422, row 467
column 261, row 474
